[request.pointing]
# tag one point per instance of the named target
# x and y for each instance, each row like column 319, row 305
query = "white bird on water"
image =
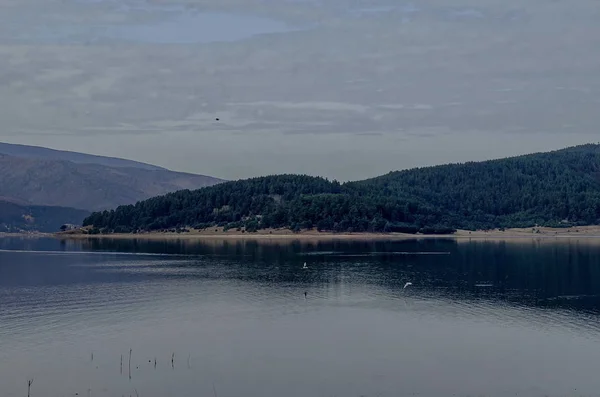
column 407, row 284
column 304, row 267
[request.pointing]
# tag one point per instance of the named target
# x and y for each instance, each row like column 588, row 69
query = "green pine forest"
column 559, row 189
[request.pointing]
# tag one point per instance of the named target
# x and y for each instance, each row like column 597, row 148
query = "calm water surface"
column 230, row 318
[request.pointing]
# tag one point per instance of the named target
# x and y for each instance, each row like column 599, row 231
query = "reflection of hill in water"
column 539, row 273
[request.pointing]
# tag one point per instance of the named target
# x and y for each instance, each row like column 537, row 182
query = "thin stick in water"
column 29, row 383
column 215, row 390
column 173, row 360
column 121, row 364
column 189, row 362
column 130, row 351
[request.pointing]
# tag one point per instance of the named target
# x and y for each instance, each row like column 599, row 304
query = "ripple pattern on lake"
column 236, row 315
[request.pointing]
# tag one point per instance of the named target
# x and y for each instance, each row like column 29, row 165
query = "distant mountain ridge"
column 42, row 153
column 70, row 184
column 87, row 186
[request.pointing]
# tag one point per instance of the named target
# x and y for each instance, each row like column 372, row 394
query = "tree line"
column 558, row 188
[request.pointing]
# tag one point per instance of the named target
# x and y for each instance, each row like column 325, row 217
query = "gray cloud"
column 348, row 92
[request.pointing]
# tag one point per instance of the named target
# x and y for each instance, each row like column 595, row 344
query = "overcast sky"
column 345, row 89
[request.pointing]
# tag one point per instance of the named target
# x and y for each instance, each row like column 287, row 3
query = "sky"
column 345, row 89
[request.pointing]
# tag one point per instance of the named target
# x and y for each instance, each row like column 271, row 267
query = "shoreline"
column 589, row 232
column 585, row 232
column 28, row 235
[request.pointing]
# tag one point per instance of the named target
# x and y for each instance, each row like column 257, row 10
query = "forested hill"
column 20, row 217
column 558, row 188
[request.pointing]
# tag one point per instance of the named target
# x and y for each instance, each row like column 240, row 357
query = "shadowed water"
column 230, row 318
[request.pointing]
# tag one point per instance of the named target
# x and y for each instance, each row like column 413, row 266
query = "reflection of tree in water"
column 531, row 272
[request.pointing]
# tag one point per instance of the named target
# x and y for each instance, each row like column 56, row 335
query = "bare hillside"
column 52, row 182
column 42, row 153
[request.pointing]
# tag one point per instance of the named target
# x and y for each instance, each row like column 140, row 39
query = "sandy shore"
column 284, row 234
column 30, row 235
column 590, row 232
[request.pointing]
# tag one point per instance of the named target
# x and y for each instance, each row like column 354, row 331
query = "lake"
column 231, row 318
